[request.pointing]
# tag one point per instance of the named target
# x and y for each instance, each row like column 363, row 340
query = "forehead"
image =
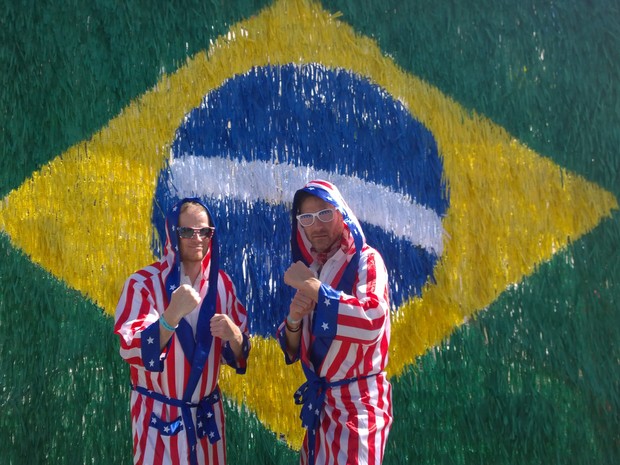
column 193, row 215
column 313, row 204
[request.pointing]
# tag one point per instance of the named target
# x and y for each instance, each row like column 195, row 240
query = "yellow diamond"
column 88, row 211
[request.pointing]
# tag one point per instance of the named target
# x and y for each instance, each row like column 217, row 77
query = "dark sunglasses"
column 188, row 233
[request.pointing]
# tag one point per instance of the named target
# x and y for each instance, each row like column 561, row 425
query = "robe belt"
column 311, row 396
column 205, row 418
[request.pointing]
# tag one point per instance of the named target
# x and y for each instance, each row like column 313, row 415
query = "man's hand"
column 303, row 279
column 183, row 301
column 300, row 306
column 225, row 328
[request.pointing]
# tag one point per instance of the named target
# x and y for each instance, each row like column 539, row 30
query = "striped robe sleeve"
column 137, row 321
column 359, row 318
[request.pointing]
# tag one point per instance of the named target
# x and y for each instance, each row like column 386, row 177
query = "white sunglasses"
column 307, row 219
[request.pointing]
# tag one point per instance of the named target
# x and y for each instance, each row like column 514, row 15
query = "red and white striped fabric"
column 356, row 416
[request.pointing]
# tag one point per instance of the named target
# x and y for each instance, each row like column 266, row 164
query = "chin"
column 320, row 247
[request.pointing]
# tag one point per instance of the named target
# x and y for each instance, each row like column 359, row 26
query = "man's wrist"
column 239, row 338
column 173, row 315
column 311, row 288
column 292, row 325
column 167, row 325
column 291, row 320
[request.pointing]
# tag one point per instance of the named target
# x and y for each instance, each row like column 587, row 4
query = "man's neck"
column 192, row 270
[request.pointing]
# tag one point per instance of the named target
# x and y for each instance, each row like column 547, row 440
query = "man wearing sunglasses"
column 178, row 319
column 338, row 326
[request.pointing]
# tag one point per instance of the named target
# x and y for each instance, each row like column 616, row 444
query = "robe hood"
column 172, row 256
column 325, row 190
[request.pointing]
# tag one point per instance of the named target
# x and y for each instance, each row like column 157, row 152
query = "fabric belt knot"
column 205, row 418
column 311, row 396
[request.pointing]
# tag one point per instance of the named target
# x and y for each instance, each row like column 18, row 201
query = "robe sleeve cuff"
column 326, row 312
column 152, row 357
column 229, row 355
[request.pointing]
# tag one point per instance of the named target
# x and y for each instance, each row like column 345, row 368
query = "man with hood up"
column 178, row 319
column 338, row 326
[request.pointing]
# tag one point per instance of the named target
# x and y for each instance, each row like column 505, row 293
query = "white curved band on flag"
column 276, row 183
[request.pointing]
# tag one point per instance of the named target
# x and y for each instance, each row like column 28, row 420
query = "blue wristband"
column 289, row 320
column 165, row 324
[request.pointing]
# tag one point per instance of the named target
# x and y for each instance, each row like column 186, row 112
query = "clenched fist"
column 301, row 306
column 224, row 328
column 303, row 279
column 183, row 301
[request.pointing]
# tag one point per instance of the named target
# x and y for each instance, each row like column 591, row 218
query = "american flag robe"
column 346, row 401
column 185, row 373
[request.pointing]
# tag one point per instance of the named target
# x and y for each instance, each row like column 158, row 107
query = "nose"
column 317, row 226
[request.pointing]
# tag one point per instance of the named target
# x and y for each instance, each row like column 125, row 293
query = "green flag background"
column 534, row 378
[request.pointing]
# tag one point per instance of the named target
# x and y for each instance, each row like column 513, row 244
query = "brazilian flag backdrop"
column 500, row 229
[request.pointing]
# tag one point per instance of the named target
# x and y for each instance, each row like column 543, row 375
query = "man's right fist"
column 184, row 299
